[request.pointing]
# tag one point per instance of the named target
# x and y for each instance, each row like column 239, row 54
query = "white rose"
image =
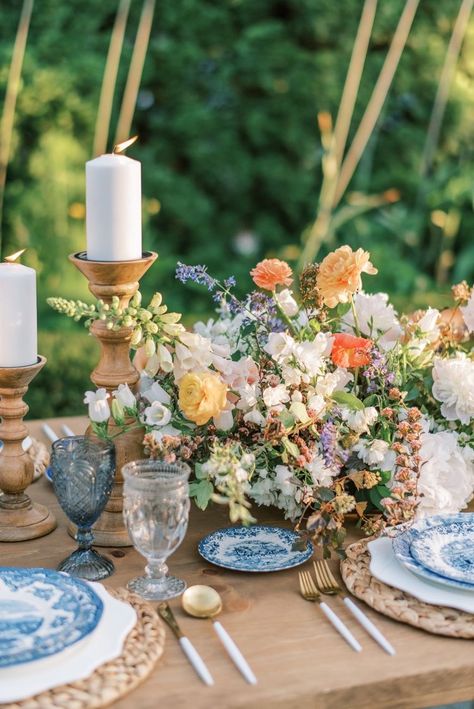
column 453, row 386
column 287, row 303
column 125, row 396
column 99, row 410
column 157, row 414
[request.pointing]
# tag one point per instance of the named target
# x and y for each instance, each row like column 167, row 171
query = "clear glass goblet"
column 82, row 475
column 156, row 511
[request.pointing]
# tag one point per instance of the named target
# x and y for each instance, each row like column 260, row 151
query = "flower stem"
column 356, row 319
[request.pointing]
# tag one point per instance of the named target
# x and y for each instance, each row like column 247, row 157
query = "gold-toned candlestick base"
column 106, row 280
column 20, row 518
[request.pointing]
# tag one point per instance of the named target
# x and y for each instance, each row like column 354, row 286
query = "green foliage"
column 229, row 144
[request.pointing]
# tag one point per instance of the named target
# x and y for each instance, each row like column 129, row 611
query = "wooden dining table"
column 298, row 658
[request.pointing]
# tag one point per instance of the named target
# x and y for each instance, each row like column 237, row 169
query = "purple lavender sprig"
column 378, row 373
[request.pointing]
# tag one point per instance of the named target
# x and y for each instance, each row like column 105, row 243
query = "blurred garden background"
column 266, row 128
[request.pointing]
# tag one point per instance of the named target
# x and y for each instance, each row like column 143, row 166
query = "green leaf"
column 198, row 472
column 385, row 475
column 299, row 410
column 345, row 398
column 343, row 308
column 371, row 400
column 325, row 494
column 287, row 418
column 201, row 492
column 413, row 394
column 290, row 447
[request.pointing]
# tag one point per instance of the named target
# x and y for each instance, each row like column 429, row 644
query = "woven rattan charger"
column 397, row 604
column 141, row 651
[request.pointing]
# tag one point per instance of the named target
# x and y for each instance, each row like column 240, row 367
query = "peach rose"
column 202, row 396
column 340, row 272
column 270, row 273
column 350, row 351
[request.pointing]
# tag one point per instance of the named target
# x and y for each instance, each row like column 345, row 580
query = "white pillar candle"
column 113, row 208
column 18, row 335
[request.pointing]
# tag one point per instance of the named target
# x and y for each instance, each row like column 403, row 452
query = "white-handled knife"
column 186, row 645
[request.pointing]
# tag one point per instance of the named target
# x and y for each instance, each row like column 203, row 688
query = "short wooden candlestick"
column 20, row 518
column 106, row 280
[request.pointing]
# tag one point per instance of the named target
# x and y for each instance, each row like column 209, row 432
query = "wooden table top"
column 297, row 656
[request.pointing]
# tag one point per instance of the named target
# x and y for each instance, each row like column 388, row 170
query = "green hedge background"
column 230, row 150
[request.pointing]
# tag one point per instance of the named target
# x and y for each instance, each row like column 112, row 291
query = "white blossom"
column 359, row 421
column 468, row 312
column 446, row 481
column 428, row 327
column 157, row 393
column 376, row 318
column 453, row 385
column 125, row 396
column 287, row 303
column 157, row 414
column 274, row 396
column 99, row 409
column 376, row 453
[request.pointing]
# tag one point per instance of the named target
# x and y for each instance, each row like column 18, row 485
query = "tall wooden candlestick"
column 106, row 280
column 20, row 518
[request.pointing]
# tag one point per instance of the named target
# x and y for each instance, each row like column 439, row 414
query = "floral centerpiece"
column 321, row 405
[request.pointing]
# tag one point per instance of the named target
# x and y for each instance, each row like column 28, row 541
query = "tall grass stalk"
column 109, row 80
column 134, row 77
column 13, row 87
column 445, row 81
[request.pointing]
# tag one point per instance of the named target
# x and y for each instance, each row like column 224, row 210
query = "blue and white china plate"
column 48, row 473
column 257, row 549
column 447, row 549
column 42, row 612
column 401, row 547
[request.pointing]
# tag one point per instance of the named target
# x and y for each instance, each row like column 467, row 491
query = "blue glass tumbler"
column 83, row 474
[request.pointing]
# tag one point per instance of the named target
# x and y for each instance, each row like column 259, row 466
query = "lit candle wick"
column 14, row 257
column 121, row 147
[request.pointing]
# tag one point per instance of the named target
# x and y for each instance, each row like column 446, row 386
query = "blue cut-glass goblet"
column 82, row 475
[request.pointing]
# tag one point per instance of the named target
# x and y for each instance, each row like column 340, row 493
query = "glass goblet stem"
column 84, row 538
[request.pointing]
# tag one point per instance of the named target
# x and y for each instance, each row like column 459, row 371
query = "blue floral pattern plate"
column 42, row 612
column 402, row 543
column 256, row 549
column 447, row 549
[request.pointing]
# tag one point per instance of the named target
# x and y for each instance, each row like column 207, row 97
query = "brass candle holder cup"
column 20, row 518
column 106, row 280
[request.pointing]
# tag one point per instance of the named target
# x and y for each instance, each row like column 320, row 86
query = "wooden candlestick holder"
column 20, row 518
column 106, row 280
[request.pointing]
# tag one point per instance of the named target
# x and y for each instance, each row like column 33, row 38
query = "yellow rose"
column 202, row 396
column 340, row 272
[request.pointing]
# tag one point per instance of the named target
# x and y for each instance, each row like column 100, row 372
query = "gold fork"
column 328, row 585
column 310, row 593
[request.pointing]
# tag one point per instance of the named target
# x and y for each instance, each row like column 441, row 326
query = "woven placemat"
column 400, row 605
column 141, row 651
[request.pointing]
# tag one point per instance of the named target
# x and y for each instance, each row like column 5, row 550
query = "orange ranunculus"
column 350, row 351
column 270, row 273
column 340, row 272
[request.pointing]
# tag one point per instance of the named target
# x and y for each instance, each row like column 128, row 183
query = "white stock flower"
column 125, row 396
column 156, row 393
column 453, row 385
column 157, row 414
column 248, row 397
column 376, row 452
column 193, row 352
column 446, row 481
column 287, row 303
column 359, row 421
column 99, row 409
column 274, row 396
column 468, row 312
column 376, row 317
column 317, row 404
